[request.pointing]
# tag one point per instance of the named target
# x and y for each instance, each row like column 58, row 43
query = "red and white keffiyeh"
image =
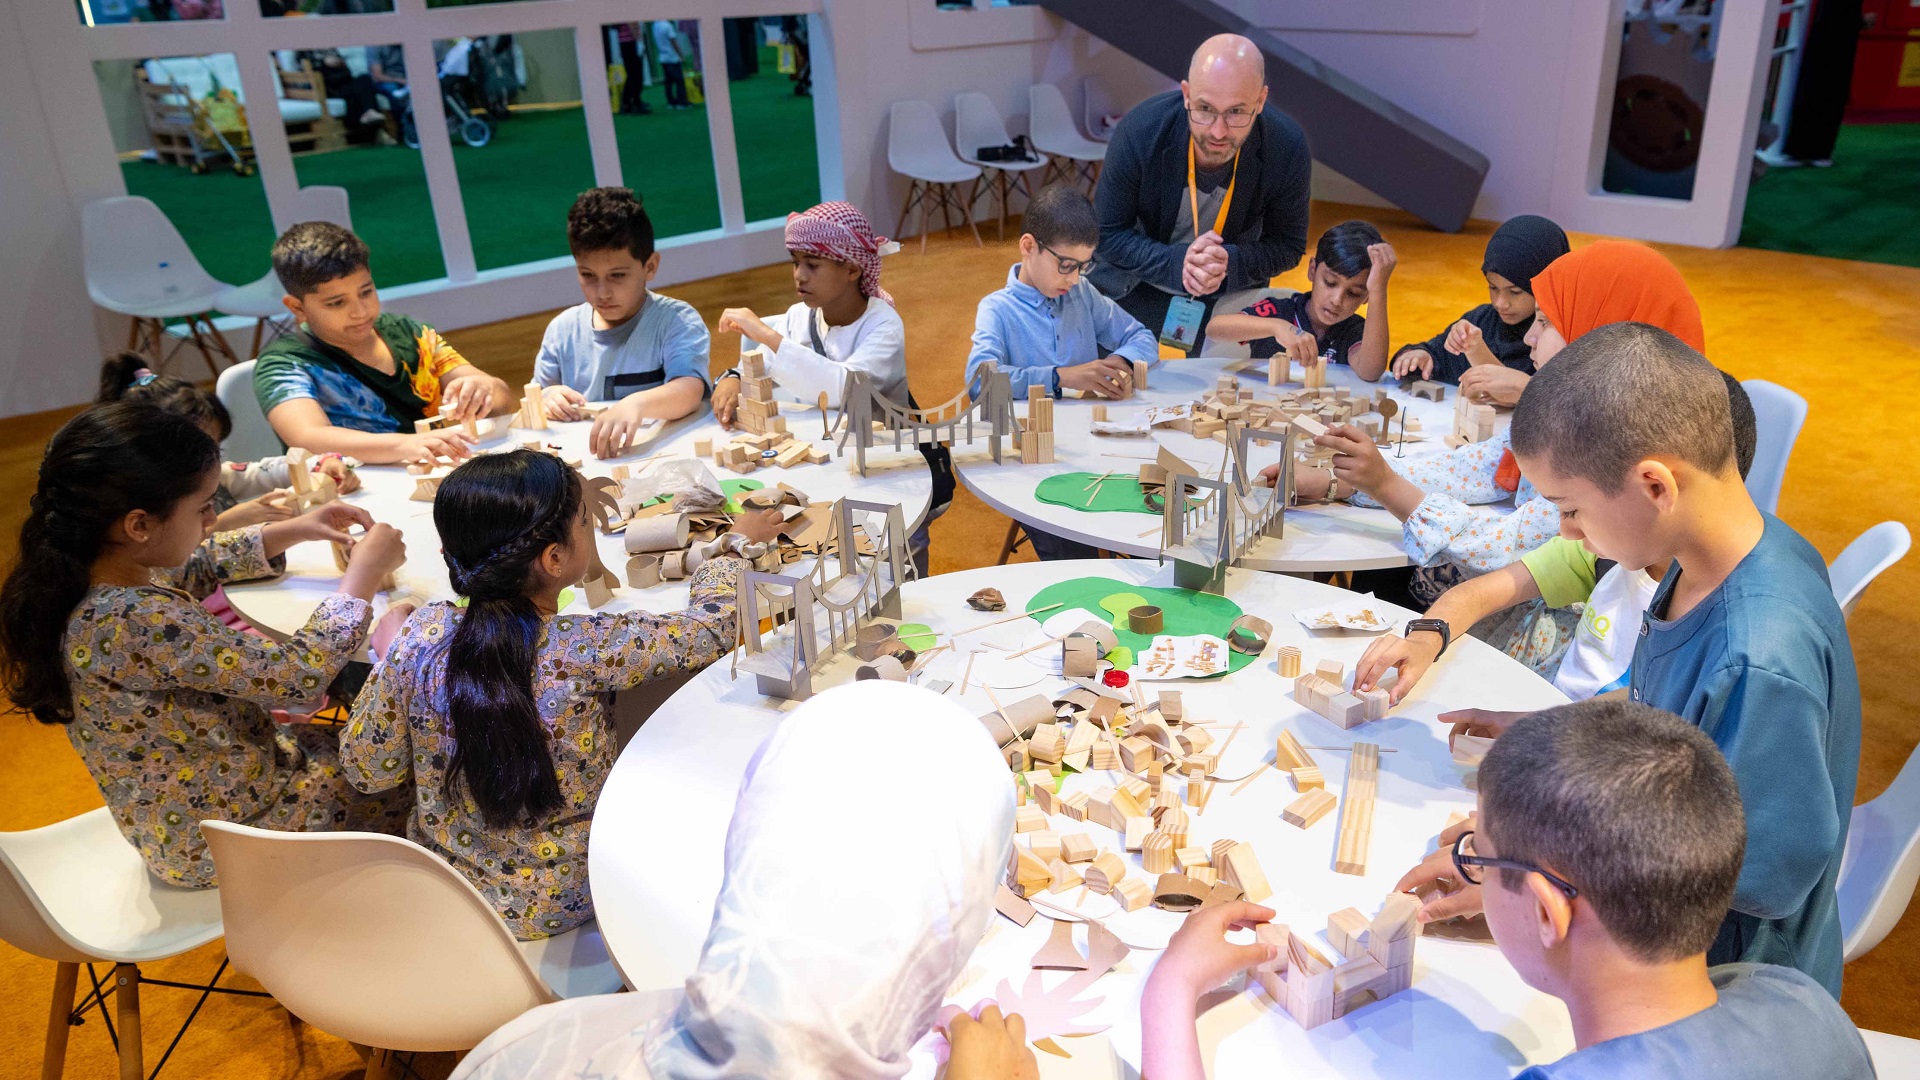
column 839, row 231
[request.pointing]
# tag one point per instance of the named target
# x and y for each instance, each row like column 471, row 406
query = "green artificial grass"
column 1862, row 207
column 1184, row 612
column 516, row 189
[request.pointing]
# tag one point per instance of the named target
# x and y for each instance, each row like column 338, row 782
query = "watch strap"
column 1438, row 626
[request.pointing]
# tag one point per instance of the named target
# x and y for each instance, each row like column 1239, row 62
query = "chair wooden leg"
column 947, row 197
column 381, row 1065
column 966, row 211
column 1014, row 537
column 126, row 997
column 54, row 1061
column 211, row 341
column 133, row 335
column 899, row 230
column 260, row 328
column 1005, row 187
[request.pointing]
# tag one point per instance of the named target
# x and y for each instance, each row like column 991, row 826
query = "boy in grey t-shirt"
column 1607, row 845
column 645, row 352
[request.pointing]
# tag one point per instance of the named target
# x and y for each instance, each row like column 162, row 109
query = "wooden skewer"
column 825, row 432
column 1207, row 795
column 1008, row 619
column 1255, row 775
column 969, row 675
column 1098, row 480
column 1134, row 457
column 1349, row 749
column 996, row 705
column 921, row 662
column 1038, row 647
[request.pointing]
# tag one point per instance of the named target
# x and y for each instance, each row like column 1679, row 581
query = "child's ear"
column 553, row 560
column 1656, row 480
column 135, row 526
column 652, row 265
column 1028, row 246
column 1551, row 910
column 298, row 309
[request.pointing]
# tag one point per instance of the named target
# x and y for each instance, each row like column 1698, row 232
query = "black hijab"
column 1522, row 247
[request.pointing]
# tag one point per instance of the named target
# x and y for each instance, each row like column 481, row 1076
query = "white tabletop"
column 1318, row 538
column 280, row 606
column 658, row 835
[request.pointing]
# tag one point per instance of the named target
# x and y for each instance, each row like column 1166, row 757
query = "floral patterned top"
column 1445, row 527
column 170, row 705
column 535, row 875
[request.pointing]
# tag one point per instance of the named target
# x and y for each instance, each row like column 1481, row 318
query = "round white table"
column 280, row 606
column 655, row 857
column 1318, row 538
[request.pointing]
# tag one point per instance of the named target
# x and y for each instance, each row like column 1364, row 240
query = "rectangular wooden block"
column 1136, row 831
column 1347, row 931
column 1190, row 858
column 1029, row 818
column 1075, row 805
column 1310, row 807
column 1307, row 778
column 756, row 389
column 1045, row 844
column 1333, row 671
column 1077, row 848
column 1242, row 870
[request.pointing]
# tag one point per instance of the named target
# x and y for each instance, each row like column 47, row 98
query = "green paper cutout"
column 1119, row 494
column 1121, row 656
column 1185, row 612
column 917, row 636
column 732, row 489
column 1119, row 604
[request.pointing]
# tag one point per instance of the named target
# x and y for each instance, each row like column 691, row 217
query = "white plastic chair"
column 1097, row 111
column 1778, row 414
column 260, row 299
column 379, row 941
column 252, row 438
column 1074, row 157
column 75, row 892
column 1882, row 862
column 1893, row 1056
column 977, row 124
column 917, row 149
column 1869, row 556
column 138, row 264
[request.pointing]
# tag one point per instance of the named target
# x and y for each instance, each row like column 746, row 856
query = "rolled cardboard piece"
column 1249, row 634
column 663, row 533
column 1146, row 619
column 886, row 667
column 996, row 726
column 875, row 640
column 673, row 566
column 1029, row 713
column 1101, row 632
column 643, row 571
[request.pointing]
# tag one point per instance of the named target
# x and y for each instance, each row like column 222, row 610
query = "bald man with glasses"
column 1204, row 193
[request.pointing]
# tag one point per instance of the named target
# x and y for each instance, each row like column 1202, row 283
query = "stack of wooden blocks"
column 533, row 410
column 1376, row 962
column 1324, row 691
column 1036, row 434
column 1471, row 423
column 762, row 428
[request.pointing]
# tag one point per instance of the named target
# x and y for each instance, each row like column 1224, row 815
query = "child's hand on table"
column 1451, row 898
column 562, row 402
column 987, row 1046
column 726, row 401
column 1467, row 340
column 1309, row 485
column 759, row 526
column 345, row 480
column 1414, row 362
column 1411, row 656
column 1109, row 377
column 1355, row 458
column 615, row 427
column 1198, row 958
column 466, row 399
column 1485, row 723
column 1493, row 384
column 269, row 507
column 433, row 445
column 1301, row 347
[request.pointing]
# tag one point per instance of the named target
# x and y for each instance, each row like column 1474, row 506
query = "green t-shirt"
column 352, row 394
column 1565, row 571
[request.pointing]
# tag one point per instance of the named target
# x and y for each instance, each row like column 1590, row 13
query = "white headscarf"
column 847, row 909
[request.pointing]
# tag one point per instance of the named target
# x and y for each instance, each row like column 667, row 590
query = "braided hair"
column 497, row 514
column 102, row 465
column 128, row 376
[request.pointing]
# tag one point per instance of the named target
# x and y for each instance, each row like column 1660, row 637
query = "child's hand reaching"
column 467, row 398
column 1414, row 362
column 269, row 507
column 345, row 480
column 1468, row 340
column 759, row 526
column 1109, row 377
column 328, row 522
column 562, row 402
column 1355, row 458
column 726, row 401
column 1300, row 346
column 744, row 322
column 1411, row 656
column 1484, row 723
column 1493, row 384
column 988, row 1047
column 1450, row 897
column 1198, row 958
column 615, row 427
column 433, row 446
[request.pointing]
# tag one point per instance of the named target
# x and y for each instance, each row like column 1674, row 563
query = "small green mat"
column 732, row 489
column 1185, row 612
column 1119, row 494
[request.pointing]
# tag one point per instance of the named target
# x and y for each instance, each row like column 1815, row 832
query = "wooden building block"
column 1346, row 710
column 1075, row 805
column 1173, row 821
column 1310, row 807
column 1289, row 754
column 1308, row 778
column 1289, row 661
column 1044, row 844
column 1242, row 870
column 1310, row 984
column 1189, row 859
column 1047, row 744
column 1103, row 872
column 1132, row 893
column 1356, row 809
column 1135, row 832
column 1156, row 853
column 1028, row 819
column 1030, row 873
column 1132, row 797
column 1064, row 877
column 1104, row 756
column 1172, row 709
column 1203, row 875
column 1077, row 848
column 1347, row 931
column 1333, row 671
column 1377, row 701
column 1135, row 753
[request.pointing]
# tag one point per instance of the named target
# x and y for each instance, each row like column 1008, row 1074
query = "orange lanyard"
column 1193, row 193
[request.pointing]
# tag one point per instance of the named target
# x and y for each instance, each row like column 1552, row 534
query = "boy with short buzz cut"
column 1628, row 432
column 1607, row 848
column 353, row 379
column 1049, row 326
column 626, row 344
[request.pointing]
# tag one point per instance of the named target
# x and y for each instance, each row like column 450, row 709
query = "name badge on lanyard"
column 1181, row 329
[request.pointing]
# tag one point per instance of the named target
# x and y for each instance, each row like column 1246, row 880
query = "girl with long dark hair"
column 498, row 713
column 101, row 630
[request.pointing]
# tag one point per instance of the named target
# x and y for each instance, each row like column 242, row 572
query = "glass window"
column 1660, row 100
column 358, row 148
column 180, row 126
column 771, row 83
column 659, row 103
column 519, row 140
column 274, row 9
column 110, row 12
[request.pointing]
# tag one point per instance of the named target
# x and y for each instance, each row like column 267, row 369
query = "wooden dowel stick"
column 1038, row 647
column 1264, row 766
column 1349, row 749
column 969, row 675
column 1008, row 619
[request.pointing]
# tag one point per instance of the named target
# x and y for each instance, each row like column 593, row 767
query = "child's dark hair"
column 1746, row 426
column 496, row 515
column 128, row 376
column 609, row 219
column 1343, row 248
column 1633, row 806
column 1060, row 215
column 100, row 466
column 1618, row 395
column 313, row 253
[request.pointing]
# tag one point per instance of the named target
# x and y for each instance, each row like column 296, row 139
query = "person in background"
column 794, row 983
column 1496, row 331
column 1350, row 266
column 633, row 58
column 673, row 72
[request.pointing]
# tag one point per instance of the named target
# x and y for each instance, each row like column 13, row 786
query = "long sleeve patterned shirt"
column 534, row 874
column 1445, row 527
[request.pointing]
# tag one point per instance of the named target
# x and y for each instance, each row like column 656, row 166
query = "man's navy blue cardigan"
column 1145, row 179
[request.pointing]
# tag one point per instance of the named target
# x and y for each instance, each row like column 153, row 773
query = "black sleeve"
column 1343, row 337
column 1287, row 194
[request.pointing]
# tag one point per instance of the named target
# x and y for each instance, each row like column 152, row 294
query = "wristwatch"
column 1438, row 626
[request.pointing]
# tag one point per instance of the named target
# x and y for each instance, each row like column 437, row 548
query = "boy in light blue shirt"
column 1049, row 327
column 645, row 352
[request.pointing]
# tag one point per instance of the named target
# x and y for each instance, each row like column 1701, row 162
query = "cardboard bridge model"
column 1210, row 524
column 867, row 416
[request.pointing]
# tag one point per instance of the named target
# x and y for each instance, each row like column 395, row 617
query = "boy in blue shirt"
column 1628, row 432
column 1049, row 327
column 645, row 352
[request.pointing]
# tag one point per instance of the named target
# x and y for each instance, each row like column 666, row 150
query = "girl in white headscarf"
column 803, row 974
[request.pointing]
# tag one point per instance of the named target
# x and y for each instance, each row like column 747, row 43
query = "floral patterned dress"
column 535, row 874
column 170, row 712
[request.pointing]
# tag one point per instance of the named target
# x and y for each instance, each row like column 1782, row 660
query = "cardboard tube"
column 1100, row 632
column 663, row 533
column 876, row 640
column 643, row 571
column 1029, row 713
column 1145, row 619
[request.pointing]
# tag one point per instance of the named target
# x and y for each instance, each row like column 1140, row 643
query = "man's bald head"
column 1228, row 58
column 1228, row 76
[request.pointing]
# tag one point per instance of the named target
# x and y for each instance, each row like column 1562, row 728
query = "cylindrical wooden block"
column 1145, row 619
column 1173, row 821
column 1289, row 662
column 885, row 667
column 643, row 571
column 663, row 533
column 1156, row 853
column 1104, row 871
